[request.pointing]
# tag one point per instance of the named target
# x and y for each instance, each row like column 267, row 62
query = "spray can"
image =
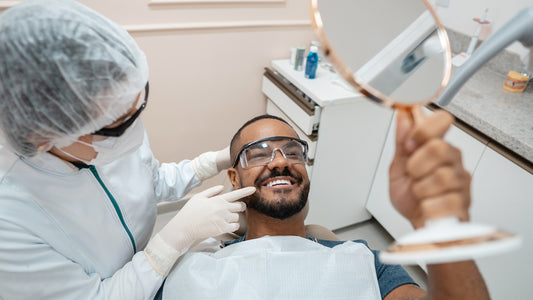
column 312, row 63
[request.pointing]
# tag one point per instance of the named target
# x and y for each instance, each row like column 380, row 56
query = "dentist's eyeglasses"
column 119, row 130
column 263, row 151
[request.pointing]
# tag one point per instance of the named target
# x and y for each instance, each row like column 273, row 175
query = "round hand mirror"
column 396, row 53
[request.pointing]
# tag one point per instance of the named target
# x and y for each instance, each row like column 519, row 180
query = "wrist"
column 161, row 255
column 205, row 165
column 223, row 159
column 177, row 238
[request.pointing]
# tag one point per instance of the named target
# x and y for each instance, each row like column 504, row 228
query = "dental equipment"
column 460, row 58
column 520, row 28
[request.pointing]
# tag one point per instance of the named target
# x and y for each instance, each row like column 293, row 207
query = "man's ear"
column 234, row 178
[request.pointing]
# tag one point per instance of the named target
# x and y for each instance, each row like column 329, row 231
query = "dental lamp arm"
column 520, row 28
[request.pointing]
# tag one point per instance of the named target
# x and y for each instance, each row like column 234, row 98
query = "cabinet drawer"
column 307, row 121
column 272, row 109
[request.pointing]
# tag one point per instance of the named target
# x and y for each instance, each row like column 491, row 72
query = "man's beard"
column 282, row 208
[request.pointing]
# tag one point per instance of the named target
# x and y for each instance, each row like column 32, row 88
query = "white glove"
column 209, row 164
column 206, row 214
column 223, row 159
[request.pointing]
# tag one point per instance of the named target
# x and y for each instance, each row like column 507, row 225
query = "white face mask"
column 113, row 148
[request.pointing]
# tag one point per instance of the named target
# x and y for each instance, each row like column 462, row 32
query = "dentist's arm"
column 31, row 268
column 427, row 181
column 206, row 214
column 172, row 181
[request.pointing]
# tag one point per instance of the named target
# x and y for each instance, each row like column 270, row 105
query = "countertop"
column 326, row 89
column 503, row 116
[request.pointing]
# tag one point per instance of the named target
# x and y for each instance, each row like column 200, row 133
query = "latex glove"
column 427, row 179
column 205, row 215
column 223, row 159
column 209, row 164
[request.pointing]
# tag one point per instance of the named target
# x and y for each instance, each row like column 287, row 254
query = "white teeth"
column 278, row 182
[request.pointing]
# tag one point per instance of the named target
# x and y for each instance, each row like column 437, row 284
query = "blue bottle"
column 312, row 63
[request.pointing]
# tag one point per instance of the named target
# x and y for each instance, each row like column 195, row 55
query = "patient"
column 268, row 154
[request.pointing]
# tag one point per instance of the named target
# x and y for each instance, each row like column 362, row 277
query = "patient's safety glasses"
column 263, row 151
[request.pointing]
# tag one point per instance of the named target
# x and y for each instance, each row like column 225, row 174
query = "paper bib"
column 280, row 267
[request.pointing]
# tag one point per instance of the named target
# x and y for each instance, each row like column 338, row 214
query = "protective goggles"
column 263, row 151
column 119, row 130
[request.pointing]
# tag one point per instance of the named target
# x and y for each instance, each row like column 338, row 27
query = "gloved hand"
column 209, row 164
column 206, row 214
column 223, row 159
column 427, row 179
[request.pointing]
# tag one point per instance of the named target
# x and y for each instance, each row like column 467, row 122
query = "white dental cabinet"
column 345, row 133
column 351, row 145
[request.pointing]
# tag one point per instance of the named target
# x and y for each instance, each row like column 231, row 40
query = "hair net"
column 65, row 71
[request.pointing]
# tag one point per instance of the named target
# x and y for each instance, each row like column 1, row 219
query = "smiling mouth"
column 279, row 183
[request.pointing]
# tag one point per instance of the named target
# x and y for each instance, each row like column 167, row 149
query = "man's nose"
column 278, row 159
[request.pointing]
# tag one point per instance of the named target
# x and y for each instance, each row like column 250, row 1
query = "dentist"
column 78, row 181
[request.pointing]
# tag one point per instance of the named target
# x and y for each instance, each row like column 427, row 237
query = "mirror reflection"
column 402, row 58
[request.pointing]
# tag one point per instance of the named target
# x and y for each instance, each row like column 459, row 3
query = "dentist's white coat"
column 61, row 235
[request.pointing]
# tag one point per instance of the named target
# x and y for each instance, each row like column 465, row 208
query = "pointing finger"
column 238, row 194
column 212, row 191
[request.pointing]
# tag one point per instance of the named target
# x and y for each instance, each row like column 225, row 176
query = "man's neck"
column 259, row 225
